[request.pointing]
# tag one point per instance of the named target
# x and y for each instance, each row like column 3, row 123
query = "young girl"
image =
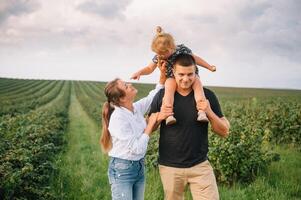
column 164, row 46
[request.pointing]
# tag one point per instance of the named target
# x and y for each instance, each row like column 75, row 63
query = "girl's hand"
column 213, row 68
column 162, row 67
column 136, row 76
column 161, row 63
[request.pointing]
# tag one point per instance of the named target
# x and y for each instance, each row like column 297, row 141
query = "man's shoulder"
column 159, row 95
column 208, row 93
column 157, row 101
column 161, row 92
column 207, row 90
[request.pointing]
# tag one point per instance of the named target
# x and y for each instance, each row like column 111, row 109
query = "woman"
column 125, row 136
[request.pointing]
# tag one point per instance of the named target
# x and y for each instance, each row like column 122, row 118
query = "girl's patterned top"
column 180, row 49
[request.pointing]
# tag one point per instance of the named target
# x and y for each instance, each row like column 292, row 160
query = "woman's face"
column 129, row 89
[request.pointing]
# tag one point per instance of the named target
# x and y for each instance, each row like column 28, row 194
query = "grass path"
column 82, row 165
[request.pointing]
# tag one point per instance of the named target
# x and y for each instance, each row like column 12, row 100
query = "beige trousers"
column 200, row 178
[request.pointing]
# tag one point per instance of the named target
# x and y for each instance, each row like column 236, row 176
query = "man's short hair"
column 184, row 60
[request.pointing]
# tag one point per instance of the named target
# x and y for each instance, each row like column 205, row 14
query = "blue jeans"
column 126, row 178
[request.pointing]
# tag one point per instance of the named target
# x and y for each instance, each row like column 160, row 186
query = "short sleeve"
column 180, row 49
column 155, row 59
column 184, row 49
column 214, row 103
column 157, row 102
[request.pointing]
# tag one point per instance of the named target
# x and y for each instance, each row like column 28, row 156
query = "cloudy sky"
column 253, row 43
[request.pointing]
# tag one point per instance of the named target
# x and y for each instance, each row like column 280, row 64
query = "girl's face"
column 166, row 55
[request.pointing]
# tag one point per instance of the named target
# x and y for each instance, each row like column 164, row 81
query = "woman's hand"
column 156, row 118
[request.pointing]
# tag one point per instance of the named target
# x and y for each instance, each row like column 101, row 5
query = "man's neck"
column 184, row 92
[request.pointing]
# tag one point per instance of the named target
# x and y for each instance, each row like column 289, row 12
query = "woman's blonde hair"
column 113, row 94
column 162, row 42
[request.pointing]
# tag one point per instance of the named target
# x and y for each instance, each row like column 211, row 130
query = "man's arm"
column 219, row 125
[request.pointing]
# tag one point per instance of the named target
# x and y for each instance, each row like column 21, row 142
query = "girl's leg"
column 199, row 96
column 170, row 89
column 168, row 99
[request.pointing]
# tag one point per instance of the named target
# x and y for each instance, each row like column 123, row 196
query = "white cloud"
column 11, row 8
column 253, row 43
column 107, row 9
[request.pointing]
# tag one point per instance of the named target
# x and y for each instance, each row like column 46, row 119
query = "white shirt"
column 127, row 129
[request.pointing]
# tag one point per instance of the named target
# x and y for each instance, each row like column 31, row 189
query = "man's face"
column 184, row 76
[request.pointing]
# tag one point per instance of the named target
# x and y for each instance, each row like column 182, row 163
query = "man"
column 183, row 146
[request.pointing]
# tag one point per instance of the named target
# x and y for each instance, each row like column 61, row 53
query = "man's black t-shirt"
column 185, row 143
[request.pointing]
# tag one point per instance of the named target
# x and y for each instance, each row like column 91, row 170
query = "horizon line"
column 242, row 87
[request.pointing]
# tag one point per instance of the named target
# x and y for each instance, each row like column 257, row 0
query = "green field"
column 49, row 145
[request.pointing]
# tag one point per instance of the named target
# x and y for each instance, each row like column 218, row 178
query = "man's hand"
column 203, row 105
column 165, row 111
column 219, row 125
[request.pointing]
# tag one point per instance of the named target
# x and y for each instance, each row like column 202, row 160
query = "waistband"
column 114, row 159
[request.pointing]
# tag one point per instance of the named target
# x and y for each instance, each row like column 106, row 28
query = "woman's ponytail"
column 113, row 94
column 106, row 139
